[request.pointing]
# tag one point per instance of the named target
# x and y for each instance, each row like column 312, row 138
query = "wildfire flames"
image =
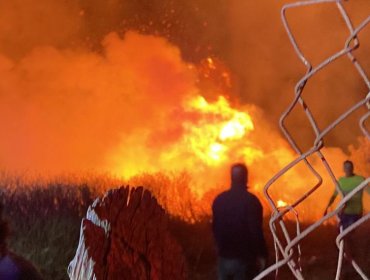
column 281, row 203
column 217, row 128
column 137, row 107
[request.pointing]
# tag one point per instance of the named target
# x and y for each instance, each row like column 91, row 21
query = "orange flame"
column 281, row 203
column 137, row 108
column 219, row 126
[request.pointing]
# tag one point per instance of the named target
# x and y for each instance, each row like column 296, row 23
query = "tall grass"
column 45, row 215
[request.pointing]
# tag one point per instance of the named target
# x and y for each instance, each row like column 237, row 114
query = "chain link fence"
column 287, row 246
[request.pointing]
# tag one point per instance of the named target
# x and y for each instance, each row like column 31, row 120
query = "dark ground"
column 45, row 226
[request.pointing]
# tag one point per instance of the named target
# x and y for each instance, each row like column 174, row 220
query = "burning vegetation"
column 167, row 95
column 136, row 109
column 133, row 107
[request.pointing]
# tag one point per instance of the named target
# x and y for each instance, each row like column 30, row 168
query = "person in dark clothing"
column 237, row 229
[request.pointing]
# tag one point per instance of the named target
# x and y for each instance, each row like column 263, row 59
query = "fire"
column 213, row 135
column 281, row 203
column 236, row 128
column 211, row 63
column 215, row 151
column 138, row 111
column 219, row 126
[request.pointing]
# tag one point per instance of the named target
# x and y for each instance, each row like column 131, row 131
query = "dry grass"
column 45, row 220
column 45, row 224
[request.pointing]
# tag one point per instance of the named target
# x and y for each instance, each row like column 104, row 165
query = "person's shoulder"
column 360, row 178
column 221, row 196
column 253, row 198
column 252, row 195
column 354, row 177
column 350, row 182
column 342, row 179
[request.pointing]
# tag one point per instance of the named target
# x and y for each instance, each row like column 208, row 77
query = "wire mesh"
column 287, row 247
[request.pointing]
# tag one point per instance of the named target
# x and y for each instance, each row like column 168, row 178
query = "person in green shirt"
column 353, row 208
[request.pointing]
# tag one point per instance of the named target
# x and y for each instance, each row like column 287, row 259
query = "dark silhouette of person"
column 12, row 266
column 237, row 229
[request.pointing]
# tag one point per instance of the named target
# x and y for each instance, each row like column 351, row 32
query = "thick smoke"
column 26, row 24
column 64, row 109
column 261, row 51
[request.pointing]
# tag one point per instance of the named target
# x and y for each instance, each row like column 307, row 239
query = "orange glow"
column 215, row 151
column 219, row 126
column 211, row 63
column 138, row 111
column 281, row 203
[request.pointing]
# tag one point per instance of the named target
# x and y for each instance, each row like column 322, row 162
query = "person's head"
column 239, row 175
column 348, row 168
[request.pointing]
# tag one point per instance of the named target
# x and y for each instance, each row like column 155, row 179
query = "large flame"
column 139, row 111
column 218, row 128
